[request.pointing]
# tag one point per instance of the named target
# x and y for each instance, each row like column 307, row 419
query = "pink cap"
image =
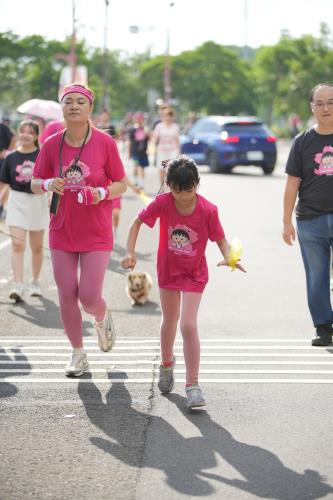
column 77, row 89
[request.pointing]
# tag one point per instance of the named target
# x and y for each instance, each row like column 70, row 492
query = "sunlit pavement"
column 111, row 434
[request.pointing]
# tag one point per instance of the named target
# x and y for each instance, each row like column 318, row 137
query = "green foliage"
column 272, row 82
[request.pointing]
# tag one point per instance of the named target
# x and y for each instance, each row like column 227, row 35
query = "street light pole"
column 167, row 65
column 105, row 58
column 72, row 54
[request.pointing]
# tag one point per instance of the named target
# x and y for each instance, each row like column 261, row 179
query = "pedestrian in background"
column 166, row 140
column 310, row 178
column 7, row 144
column 138, row 137
column 82, row 168
column 26, row 212
column 187, row 221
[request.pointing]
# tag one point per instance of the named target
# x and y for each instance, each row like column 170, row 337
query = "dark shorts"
column 141, row 160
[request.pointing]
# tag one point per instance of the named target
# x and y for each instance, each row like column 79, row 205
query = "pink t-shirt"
column 181, row 260
column 50, row 129
column 77, row 227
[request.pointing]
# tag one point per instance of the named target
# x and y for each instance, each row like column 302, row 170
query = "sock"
column 167, row 364
column 78, row 350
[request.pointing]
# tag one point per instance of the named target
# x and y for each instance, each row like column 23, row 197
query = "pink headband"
column 78, row 90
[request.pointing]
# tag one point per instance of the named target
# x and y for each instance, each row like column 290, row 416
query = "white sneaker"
column 194, row 396
column 77, row 365
column 106, row 333
column 35, row 289
column 17, row 292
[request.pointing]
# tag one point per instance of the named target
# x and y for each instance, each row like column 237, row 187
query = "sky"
column 188, row 22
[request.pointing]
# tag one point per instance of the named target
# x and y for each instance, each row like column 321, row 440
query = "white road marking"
column 5, row 244
column 143, row 340
column 151, row 370
column 140, row 357
column 23, row 380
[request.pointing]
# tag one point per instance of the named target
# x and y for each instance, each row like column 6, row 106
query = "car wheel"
column 268, row 169
column 214, row 162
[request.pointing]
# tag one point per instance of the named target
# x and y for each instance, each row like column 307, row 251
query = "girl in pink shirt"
column 82, row 168
column 187, row 221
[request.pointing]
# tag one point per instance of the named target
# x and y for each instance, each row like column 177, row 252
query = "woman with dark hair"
column 82, row 168
column 26, row 212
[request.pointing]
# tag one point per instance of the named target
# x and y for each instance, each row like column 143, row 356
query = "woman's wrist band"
column 103, row 192
column 45, row 184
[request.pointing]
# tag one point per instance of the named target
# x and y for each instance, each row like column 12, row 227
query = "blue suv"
column 223, row 142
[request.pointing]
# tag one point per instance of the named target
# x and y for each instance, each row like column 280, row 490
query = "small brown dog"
column 138, row 287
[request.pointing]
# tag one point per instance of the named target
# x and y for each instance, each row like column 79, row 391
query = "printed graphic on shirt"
column 75, row 174
column 139, row 134
column 325, row 161
column 25, row 171
column 181, row 238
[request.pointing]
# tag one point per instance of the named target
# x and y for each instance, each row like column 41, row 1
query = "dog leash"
column 18, row 238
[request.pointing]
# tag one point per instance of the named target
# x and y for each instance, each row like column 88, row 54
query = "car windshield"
column 206, row 127
column 238, row 128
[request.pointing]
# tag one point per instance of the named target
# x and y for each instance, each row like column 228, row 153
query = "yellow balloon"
column 235, row 253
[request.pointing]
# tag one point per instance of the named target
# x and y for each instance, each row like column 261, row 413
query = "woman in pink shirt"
column 187, row 221
column 82, row 168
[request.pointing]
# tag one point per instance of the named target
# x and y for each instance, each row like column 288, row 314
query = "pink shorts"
column 116, row 202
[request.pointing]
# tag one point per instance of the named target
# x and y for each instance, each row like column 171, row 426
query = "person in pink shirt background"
column 82, row 168
column 187, row 222
column 51, row 128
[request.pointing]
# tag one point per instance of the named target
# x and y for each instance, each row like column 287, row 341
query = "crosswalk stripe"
column 177, row 353
column 285, row 361
column 145, row 340
column 147, row 370
column 179, row 362
column 222, row 348
column 23, row 380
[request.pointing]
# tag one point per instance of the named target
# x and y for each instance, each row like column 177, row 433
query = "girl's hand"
column 225, row 262
column 128, row 262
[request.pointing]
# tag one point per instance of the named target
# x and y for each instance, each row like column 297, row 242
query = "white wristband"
column 46, row 184
column 102, row 192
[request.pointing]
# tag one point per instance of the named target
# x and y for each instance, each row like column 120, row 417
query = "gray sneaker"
column 78, row 365
column 106, row 333
column 166, row 379
column 17, row 292
column 194, row 396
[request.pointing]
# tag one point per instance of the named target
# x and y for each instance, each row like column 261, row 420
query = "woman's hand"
column 56, row 185
column 128, row 262
column 99, row 194
column 225, row 262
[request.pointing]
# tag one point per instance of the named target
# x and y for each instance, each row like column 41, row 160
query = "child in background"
column 187, row 221
column 138, row 137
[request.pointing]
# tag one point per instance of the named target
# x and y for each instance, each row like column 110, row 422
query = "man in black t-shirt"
column 310, row 178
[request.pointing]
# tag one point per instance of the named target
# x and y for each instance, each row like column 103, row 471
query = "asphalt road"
column 265, row 432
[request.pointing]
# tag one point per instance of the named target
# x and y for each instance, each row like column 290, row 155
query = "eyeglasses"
column 321, row 105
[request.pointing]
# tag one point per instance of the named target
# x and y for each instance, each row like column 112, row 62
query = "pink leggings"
column 184, row 305
column 87, row 289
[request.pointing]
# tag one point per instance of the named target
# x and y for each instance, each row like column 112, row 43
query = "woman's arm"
column 129, row 261
column 40, row 186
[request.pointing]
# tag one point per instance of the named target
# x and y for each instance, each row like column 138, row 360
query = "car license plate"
column 255, row 155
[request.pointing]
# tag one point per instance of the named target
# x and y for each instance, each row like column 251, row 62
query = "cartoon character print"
column 75, row 174
column 25, row 171
column 181, row 238
column 325, row 161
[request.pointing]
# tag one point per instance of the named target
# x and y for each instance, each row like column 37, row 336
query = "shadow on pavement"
column 184, row 461
column 44, row 315
column 264, row 473
column 8, row 389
